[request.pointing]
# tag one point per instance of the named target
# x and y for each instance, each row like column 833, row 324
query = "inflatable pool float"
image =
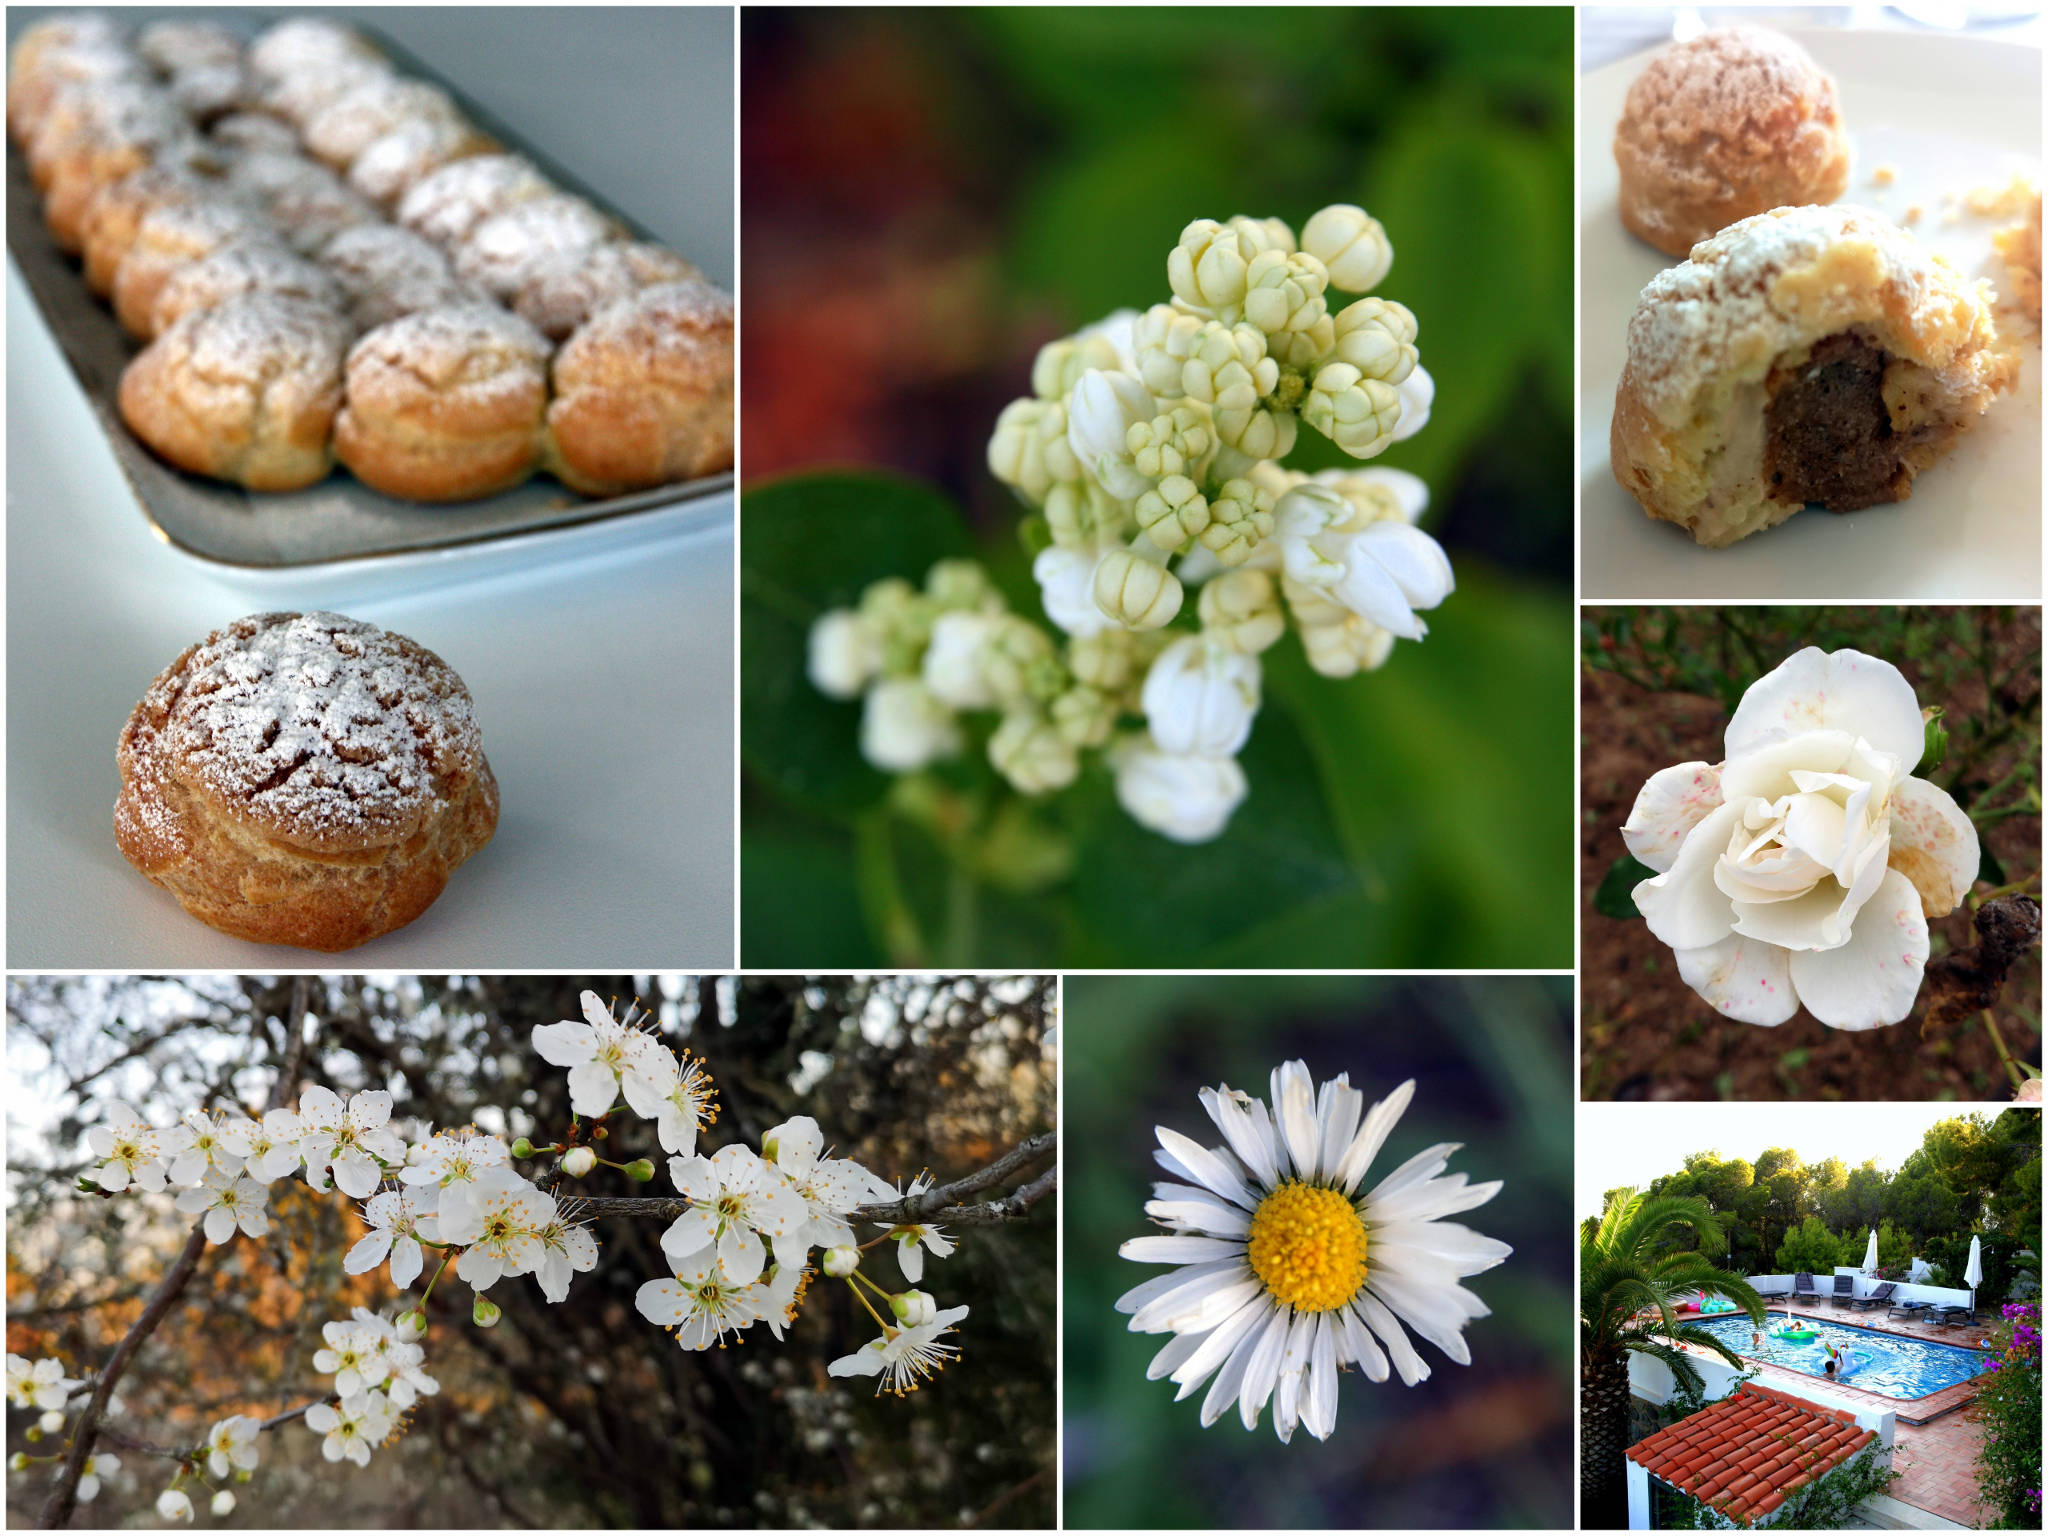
column 1713, row 1306
column 1797, row 1335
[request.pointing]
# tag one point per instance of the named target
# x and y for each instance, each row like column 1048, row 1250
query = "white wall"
column 1651, row 1380
column 1939, row 1295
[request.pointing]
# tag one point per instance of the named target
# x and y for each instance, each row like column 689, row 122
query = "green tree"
column 1810, row 1248
column 1923, row 1205
column 1630, row 1282
column 1859, row 1202
column 2015, row 1206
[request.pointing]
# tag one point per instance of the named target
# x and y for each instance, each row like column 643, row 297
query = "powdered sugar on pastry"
column 324, row 730
column 506, row 250
column 449, row 203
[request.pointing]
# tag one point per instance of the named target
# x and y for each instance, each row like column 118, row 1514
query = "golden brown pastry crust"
column 245, row 391
column 504, row 252
column 1715, row 338
column 304, row 779
column 116, row 210
column 260, row 264
column 448, row 204
column 169, row 236
column 445, row 404
column 1732, row 123
column 359, row 117
column 387, row 273
column 392, row 165
column 569, row 290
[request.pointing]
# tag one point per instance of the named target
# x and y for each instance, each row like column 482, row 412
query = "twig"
column 2019, row 1078
column 129, row 1442
column 942, row 1204
column 1003, row 1498
column 295, row 1047
column 63, row 1499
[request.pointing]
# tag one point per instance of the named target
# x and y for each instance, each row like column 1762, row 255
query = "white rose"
column 844, row 654
column 952, row 662
column 1066, row 586
column 1804, row 867
column 1188, row 799
column 903, row 727
column 1199, row 698
column 1383, row 572
column 1100, row 415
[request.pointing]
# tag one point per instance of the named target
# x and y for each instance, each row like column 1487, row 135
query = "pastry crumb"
column 1911, row 216
column 2010, row 201
column 2019, row 246
column 1884, row 175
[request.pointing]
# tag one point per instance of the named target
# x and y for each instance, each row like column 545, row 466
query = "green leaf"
column 1989, row 870
column 1616, row 897
column 811, row 543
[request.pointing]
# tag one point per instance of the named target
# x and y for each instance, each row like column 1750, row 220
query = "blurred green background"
column 928, row 197
column 1483, row 1446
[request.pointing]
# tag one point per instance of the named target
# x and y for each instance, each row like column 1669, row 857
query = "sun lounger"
column 1802, row 1285
column 1910, row 1310
column 1772, row 1293
column 1845, row 1291
column 1878, row 1297
column 1954, row 1317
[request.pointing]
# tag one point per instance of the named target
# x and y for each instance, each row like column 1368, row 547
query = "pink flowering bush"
column 2009, row 1406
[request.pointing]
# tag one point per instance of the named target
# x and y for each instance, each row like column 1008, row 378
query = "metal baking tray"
column 340, row 519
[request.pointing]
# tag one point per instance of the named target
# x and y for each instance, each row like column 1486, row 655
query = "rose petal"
column 1934, row 845
column 1744, row 979
column 1846, row 690
column 1683, row 906
column 1667, row 808
column 1873, row 979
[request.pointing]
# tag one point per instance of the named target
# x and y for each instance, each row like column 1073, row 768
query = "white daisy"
column 736, row 1199
column 903, row 1358
column 131, row 1151
column 702, row 1304
column 348, row 1138
column 598, row 1053
column 1287, row 1272
column 398, row 1219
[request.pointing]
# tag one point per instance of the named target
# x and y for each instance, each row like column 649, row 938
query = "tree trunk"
column 1604, row 1418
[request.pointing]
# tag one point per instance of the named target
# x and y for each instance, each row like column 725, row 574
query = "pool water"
column 1890, row 1365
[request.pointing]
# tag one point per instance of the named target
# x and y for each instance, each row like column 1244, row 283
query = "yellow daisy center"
column 1308, row 1247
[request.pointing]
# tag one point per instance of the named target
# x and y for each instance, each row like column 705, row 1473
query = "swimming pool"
column 1892, row 1365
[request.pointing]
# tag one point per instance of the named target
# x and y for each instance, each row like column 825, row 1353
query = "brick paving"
column 1934, row 1447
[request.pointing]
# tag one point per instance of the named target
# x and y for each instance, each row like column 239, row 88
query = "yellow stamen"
column 1308, row 1247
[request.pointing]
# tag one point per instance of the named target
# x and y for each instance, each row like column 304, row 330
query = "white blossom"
column 352, row 1357
column 99, row 1466
column 228, row 1201
column 348, row 1139
column 1066, row 588
column 131, row 1149
column 172, row 1504
column 903, row 726
column 676, row 1095
column 1200, row 697
column 1189, row 799
column 454, row 1163
column 396, row 1218
column 736, row 1199
column 843, row 654
column 202, row 1151
column 351, row 1427
column 703, row 1303
column 567, row 1250
column 1100, row 414
column 231, row 1445
column 952, row 669
column 904, row 1358
column 37, row 1384
column 830, row 1187
column 505, row 1234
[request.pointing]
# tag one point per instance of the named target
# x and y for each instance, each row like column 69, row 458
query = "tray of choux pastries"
column 327, row 310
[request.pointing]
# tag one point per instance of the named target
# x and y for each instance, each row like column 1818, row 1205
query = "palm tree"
column 1629, row 1266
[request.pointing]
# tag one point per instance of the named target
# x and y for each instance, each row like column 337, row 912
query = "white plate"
column 1952, row 114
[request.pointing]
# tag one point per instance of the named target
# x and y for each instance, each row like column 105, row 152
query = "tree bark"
column 1603, row 1416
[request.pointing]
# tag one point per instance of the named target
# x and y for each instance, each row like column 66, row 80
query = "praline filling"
column 1828, row 437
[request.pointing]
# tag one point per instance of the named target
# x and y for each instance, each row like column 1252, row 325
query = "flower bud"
column 1284, row 292
column 953, row 663
column 1206, row 268
column 1165, row 339
column 962, row 585
column 914, row 1308
column 1080, row 514
column 1351, row 244
column 1377, row 338
column 1084, row 716
column 413, row 1324
column 485, row 1313
column 18, row 1462
column 1172, row 512
column 578, row 1161
column 842, row 655
column 1189, row 799
column 1270, row 234
column 1105, row 662
column 33, row 1434
column 1029, row 751
column 1175, row 442
column 244, row 1476
column 1303, row 350
column 51, row 1422
column 841, row 1261
column 522, row 1148
column 223, row 1503
column 1200, row 697
column 1029, row 449
column 1240, row 519
column 1356, row 413
column 1241, row 610
column 1060, row 364
column 1137, row 593
column 1100, row 414
column 1418, row 392
column 903, row 727
column 173, row 1505
column 1066, row 588
column 1934, row 741
column 640, row 1171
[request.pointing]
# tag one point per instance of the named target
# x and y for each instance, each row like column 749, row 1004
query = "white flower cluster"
column 1150, row 445
column 744, row 1208
column 378, row 1373
column 609, row 1057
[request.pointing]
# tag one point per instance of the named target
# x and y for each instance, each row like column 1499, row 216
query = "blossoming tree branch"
column 466, row 1209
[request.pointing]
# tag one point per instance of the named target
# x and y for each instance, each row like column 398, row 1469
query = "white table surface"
column 600, row 659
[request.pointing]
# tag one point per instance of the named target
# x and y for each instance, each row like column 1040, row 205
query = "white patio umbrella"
column 1870, row 1254
column 1973, row 1274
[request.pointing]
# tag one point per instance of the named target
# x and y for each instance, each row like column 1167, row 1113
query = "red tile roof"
column 1745, row 1454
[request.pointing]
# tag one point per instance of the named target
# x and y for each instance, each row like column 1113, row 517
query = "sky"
column 1634, row 1143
